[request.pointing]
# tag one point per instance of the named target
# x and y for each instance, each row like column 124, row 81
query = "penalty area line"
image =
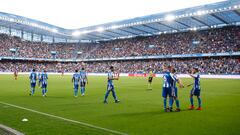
column 66, row 119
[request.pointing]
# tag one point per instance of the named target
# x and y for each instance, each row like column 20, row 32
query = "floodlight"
column 114, row 27
column 76, row 33
column 100, row 29
column 85, row 32
column 54, row 30
column 199, row 13
column 194, row 28
column 169, row 18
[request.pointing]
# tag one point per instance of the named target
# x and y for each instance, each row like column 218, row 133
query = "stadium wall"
column 226, row 76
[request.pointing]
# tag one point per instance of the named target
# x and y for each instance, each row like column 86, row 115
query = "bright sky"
column 81, row 13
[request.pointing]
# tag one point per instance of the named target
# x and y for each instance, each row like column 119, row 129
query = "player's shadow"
column 54, row 97
column 138, row 114
column 152, row 113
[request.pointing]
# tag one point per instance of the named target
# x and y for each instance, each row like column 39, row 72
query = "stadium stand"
column 208, row 41
column 220, row 65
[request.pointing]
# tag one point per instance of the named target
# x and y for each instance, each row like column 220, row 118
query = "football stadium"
column 163, row 72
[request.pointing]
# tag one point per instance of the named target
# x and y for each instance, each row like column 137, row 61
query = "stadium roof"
column 195, row 18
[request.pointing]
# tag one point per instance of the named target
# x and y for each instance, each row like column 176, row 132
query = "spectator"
column 222, row 65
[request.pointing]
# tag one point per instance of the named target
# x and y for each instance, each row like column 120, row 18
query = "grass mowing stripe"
column 65, row 119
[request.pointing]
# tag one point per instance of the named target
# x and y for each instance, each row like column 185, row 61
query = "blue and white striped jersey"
column 167, row 79
column 33, row 77
column 39, row 76
column 76, row 78
column 110, row 76
column 196, row 81
column 83, row 76
column 175, row 80
column 44, row 78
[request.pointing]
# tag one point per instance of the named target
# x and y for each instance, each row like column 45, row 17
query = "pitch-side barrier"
column 223, row 76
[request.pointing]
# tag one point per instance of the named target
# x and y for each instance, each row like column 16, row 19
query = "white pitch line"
column 66, row 119
column 8, row 129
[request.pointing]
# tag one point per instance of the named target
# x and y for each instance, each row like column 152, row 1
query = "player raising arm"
column 75, row 80
column 110, row 86
column 196, row 89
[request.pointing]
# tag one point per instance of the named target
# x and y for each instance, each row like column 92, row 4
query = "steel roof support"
column 150, row 27
column 92, row 34
column 168, row 26
column 183, row 24
column 200, row 21
column 115, row 33
column 236, row 12
column 219, row 18
column 128, row 31
column 137, row 29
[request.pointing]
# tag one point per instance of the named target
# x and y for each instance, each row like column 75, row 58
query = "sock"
column 106, row 95
column 83, row 90
column 177, row 103
column 33, row 91
column 75, row 92
column 165, row 103
column 191, row 101
column 170, row 102
column 43, row 91
column 199, row 102
column 114, row 95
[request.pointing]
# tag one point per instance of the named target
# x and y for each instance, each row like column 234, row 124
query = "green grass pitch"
column 140, row 111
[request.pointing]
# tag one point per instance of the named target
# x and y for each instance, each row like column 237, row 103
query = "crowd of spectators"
column 225, row 39
column 28, row 49
column 207, row 41
column 220, row 65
